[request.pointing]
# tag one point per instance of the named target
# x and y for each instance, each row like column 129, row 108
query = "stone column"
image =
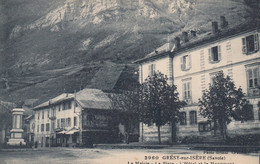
column 17, row 131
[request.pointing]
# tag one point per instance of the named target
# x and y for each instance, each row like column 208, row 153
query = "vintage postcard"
column 130, row 81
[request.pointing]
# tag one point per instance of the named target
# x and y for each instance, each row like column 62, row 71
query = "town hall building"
column 191, row 63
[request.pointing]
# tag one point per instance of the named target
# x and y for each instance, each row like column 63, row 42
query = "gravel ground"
column 125, row 156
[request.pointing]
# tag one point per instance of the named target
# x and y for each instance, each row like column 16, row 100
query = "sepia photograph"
column 130, row 81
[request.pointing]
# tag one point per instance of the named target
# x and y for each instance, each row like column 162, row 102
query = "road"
column 125, row 156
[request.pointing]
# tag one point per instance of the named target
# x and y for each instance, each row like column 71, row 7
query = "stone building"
column 191, row 62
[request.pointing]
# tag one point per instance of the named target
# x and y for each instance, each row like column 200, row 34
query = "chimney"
column 214, row 27
column 185, row 36
column 223, row 22
column 177, row 42
column 193, row 33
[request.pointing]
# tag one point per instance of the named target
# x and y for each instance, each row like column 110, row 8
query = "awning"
column 62, row 132
column 72, row 131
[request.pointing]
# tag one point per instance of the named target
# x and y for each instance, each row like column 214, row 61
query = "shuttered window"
column 185, row 62
column 214, row 54
column 152, row 68
column 250, row 44
column 253, row 77
column 193, row 117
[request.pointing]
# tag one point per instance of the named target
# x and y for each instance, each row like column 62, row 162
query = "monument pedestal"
column 17, row 131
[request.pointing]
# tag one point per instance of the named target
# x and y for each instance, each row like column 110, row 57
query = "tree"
column 153, row 102
column 160, row 101
column 222, row 102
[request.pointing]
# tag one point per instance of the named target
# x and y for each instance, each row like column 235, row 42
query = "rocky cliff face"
column 43, row 36
column 99, row 11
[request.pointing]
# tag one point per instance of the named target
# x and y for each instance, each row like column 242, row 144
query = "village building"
column 80, row 119
column 191, row 62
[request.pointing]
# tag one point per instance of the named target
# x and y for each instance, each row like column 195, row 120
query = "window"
column 48, row 114
column 38, row 115
column 59, row 107
column 38, row 128
column 253, row 79
column 53, row 125
column 183, row 118
column 250, row 44
column 91, row 120
column 33, row 126
column 249, row 112
column 42, row 114
column 186, row 88
column 185, row 62
column 68, row 120
column 214, row 54
column 69, row 105
column 204, row 126
column 62, row 122
column 62, row 106
column 47, row 127
column 75, row 121
column 42, row 127
column 58, row 123
column 151, row 69
column 193, row 117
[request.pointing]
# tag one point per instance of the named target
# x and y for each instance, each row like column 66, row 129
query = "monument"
column 17, row 131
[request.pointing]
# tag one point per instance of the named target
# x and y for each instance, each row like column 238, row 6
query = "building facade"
column 192, row 64
column 80, row 119
column 54, row 117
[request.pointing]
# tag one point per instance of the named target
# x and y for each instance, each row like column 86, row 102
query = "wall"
column 164, row 65
column 233, row 63
column 59, row 114
column 149, row 134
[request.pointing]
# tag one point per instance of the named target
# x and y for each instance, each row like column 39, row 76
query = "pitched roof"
column 93, row 99
column 201, row 40
column 107, row 76
column 60, row 98
column 87, row 98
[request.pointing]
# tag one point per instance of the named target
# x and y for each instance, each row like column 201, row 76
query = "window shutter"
column 154, row 69
column 183, row 90
column 149, row 70
column 244, row 48
column 210, row 56
column 189, row 57
column 188, row 90
column 219, row 53
column 256, row 42
column 182, row 64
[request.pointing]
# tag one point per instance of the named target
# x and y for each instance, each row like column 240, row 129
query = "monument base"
column 17, row 142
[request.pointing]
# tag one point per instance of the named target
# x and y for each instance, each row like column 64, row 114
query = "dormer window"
column 250, row 44
column 214, row 54
column 185, row 62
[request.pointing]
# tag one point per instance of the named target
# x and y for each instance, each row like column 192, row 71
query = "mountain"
column 52, row 46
